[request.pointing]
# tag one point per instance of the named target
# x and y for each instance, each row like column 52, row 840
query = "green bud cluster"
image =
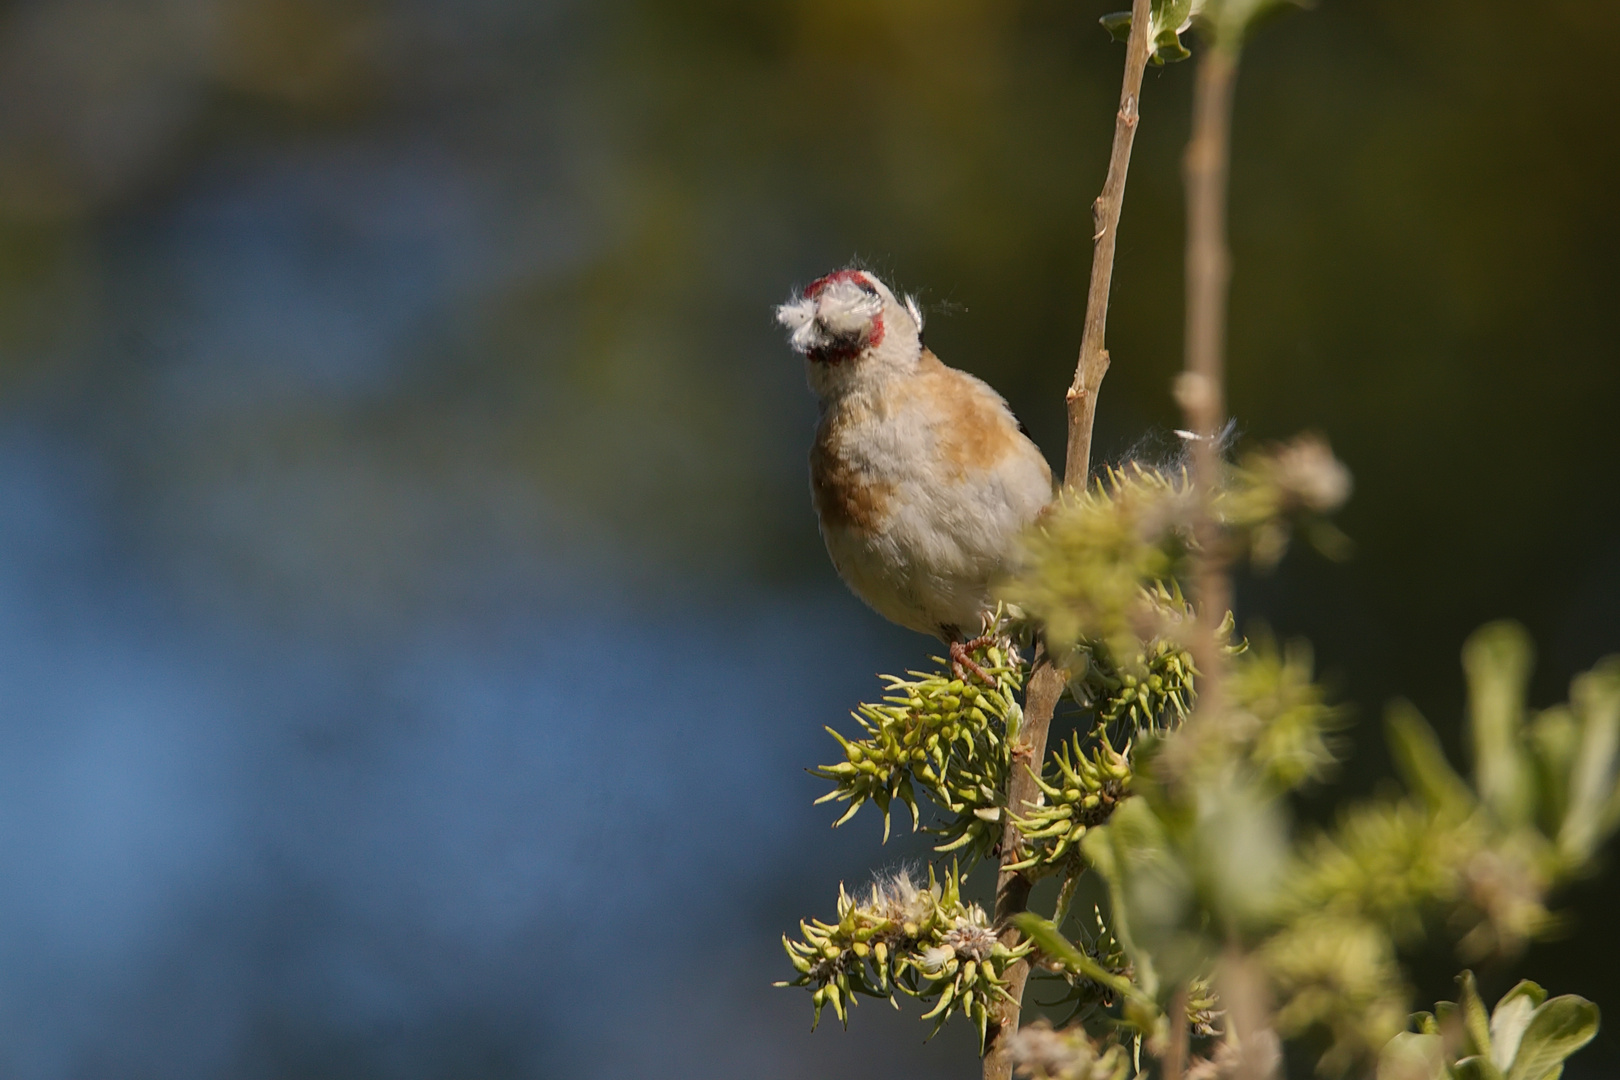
column 1336, row 974
column 947, row 737
column 1152, row 688
column 1204, row 1012
column 924, row 942
column 1272, row 492
column 1098, row 571
column 1283, row 715
column 1089, row 569
column 1081, row 792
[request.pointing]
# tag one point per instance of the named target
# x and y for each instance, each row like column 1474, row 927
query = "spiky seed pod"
column 1204, row 1012
column 944, row 737
column 1081, row 792
column 1085, row 565
column 863, row 951
column 1152, row 689
column 965, row 970
column 922, row 941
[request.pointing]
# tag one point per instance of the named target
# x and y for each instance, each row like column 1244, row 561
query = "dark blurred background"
column 413, row 627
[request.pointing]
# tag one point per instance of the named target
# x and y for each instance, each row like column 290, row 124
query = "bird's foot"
column 962, row 658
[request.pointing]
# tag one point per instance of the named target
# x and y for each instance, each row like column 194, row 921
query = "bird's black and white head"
column 851, row 330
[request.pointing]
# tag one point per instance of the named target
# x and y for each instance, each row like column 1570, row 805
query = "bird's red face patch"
column 854, row 277
column 849, row 349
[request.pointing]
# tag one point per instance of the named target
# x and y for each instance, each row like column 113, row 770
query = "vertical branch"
column 1047, row 680
column 1200, row 388
column 1105, row 211
column 1201, row 392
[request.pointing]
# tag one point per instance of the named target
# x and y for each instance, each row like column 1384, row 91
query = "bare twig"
column 1047, row 680
column 1105, row 211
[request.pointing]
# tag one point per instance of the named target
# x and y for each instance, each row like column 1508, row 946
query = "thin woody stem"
column 1047, row 680
column 1105, row 212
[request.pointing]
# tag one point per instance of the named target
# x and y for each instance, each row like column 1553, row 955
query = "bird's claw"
column 962, row 658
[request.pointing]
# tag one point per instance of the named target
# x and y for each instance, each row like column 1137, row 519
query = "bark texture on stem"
column 1105, row 212
column 1046, row 681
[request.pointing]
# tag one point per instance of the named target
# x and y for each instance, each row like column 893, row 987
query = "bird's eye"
column 866, row 286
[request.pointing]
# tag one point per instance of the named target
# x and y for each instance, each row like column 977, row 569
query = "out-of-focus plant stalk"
column 1046, row 679
column 1175, row 1059
column 1201, row 392
column 1201, row 387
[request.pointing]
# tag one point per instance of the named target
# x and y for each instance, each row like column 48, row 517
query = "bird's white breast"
column 922, row 485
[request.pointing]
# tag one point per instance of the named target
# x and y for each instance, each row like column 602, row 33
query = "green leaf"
column 1524, row 988
column 1168, row 49
column 1175, row 14
column 1595, row 698
column 1498, row 658
column 1118, row 24
column 1555, row 738
column 1051, row 941
column 1510, row 1018
column 1410, row 1056
column 1110, row 855
column 1478, row 1067
column 1476, row 1024
column 1556, row 1030
column 1422, row 763
column 1170, row 18
column 1239, row 848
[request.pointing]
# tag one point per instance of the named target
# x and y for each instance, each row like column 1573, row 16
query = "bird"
column 921, row 477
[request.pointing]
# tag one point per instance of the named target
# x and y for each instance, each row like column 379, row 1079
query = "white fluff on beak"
column 916, row 312
column 836, row 316
column 798, row 316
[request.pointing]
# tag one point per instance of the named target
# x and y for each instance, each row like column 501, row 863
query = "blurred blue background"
column 413, row 627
